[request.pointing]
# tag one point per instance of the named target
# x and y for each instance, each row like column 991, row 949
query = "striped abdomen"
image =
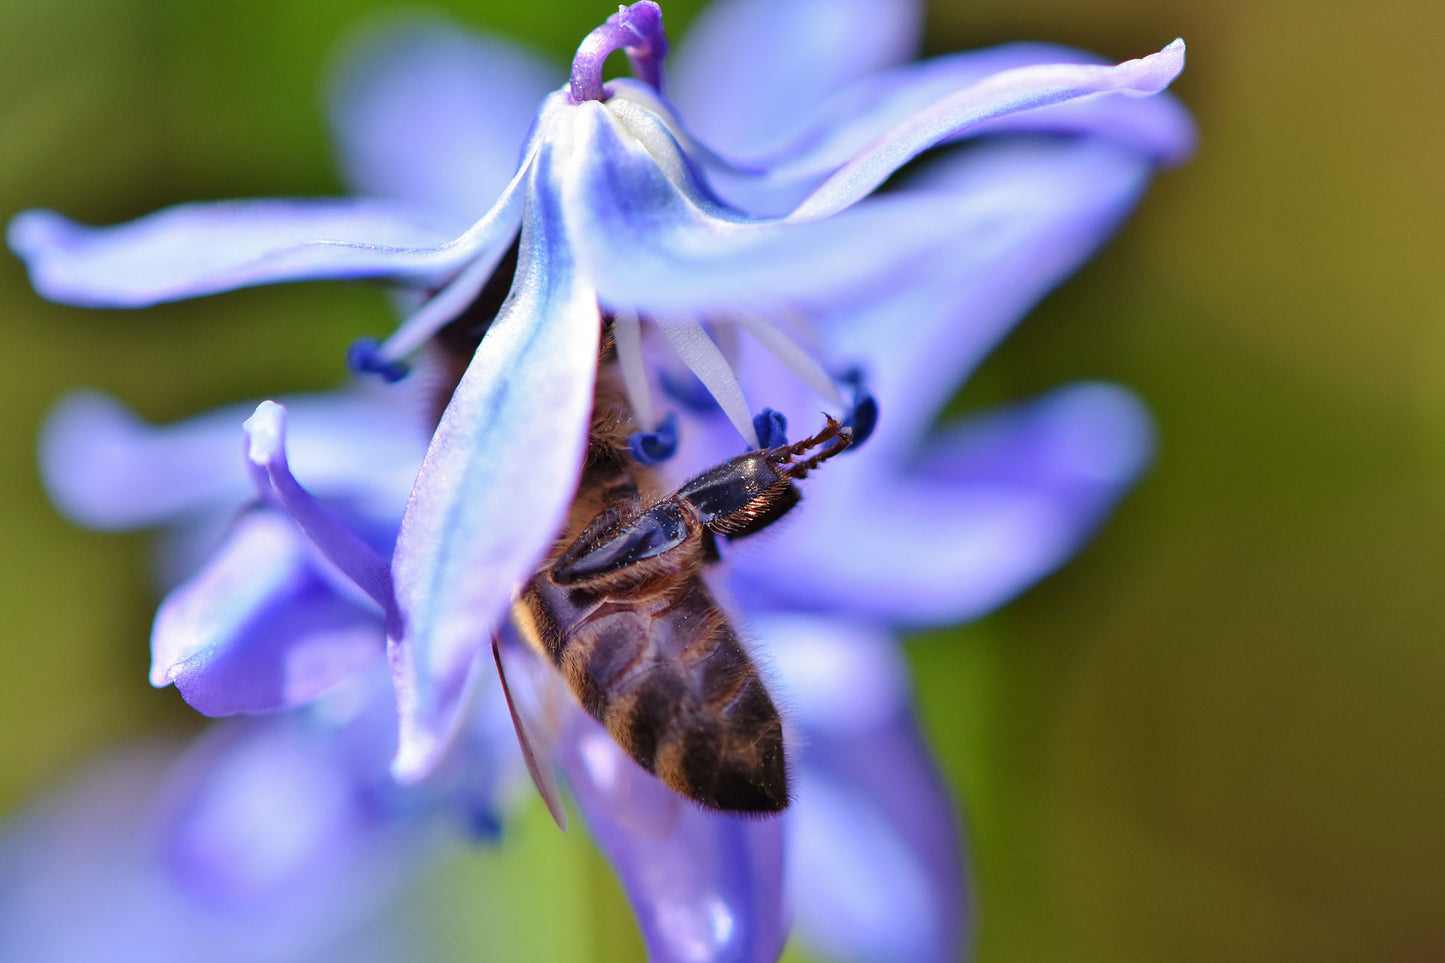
column 623, row 612
column 663, row 670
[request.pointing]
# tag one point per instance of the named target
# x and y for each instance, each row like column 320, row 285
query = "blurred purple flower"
column 279, row 838
column 619, row 206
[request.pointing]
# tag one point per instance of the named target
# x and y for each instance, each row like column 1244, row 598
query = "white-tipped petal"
column 497, row 481
column 358, row 561
column 196, row 249
column 1000, row 95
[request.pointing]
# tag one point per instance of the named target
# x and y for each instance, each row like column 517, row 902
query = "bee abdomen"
column 731, row 755
column 678, row 692
column 727, row 756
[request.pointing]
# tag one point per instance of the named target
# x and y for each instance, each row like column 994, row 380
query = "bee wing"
column 527, row 728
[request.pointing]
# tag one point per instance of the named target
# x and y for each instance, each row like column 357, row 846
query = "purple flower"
column 271, row 838
column 612, row 208
column 737, row 255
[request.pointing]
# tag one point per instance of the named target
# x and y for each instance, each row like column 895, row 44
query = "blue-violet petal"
column 497, row 481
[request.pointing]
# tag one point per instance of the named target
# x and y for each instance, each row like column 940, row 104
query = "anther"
column 655, row 447
column 862, row 414
column 364, row 358
column 772, row 428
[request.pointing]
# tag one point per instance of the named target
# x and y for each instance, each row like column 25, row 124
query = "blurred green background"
column 1218, row 734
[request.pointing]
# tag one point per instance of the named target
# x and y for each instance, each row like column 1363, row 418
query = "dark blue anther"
column 862, row 414
column 655, row 447
column 364, row 358
column 688, row 391
column 772, row 428
column 482, row 823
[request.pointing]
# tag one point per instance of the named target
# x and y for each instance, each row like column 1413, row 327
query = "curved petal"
column 195, row 249
column 997, row 504
column 94, row 848
column 1032, row 214
column 748, row 68
column 496, row 484
column 106, row 469
column 706, row 887
column 864, row 111
column 994, row 97
column 875, row 860
column 838, row 678
column 256, row 630
column 1028, row 214
column 450, row 301
column 984, row 238
column 435, row 116
column 652, row 238
column 356, row 559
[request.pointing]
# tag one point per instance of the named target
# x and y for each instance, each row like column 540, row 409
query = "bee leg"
column 748, row 493
column 834, row 431
column 710, row 553
column 529, row 738
column 759, row 513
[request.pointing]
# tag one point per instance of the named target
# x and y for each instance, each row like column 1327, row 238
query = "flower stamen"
column 364, row 357
column 655, row 447
column 627, row 334
column 862, row 414
column 698, row 351
column 772, row 428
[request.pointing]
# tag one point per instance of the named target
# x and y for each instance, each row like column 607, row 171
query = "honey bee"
column 623, row 613
column 621, row 610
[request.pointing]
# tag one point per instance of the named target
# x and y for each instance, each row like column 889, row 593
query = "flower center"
column 636, row 29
